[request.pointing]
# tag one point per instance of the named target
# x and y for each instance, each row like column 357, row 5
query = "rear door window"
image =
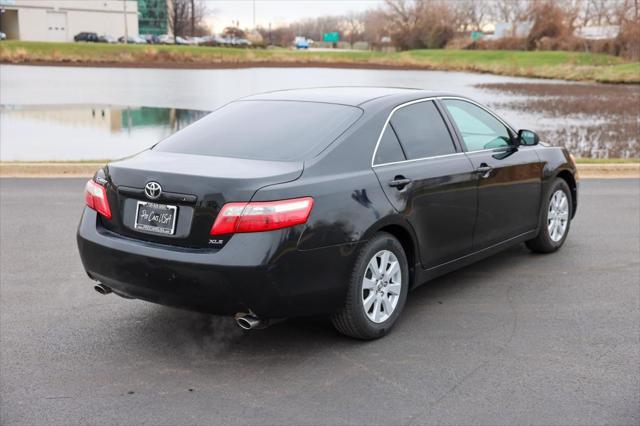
column 422, row 131
column 389, row 149
column 264, row 130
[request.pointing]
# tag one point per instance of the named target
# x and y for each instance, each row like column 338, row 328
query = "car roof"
column 353, row 96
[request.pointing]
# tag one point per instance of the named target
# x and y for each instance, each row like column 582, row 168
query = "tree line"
column 420, row 24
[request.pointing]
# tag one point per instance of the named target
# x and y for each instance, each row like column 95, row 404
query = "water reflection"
column 85, row 132
column 592, row 120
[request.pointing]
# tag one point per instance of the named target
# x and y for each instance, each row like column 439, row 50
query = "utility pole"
column 193, row 18
column 254, row 14
column 126, row 26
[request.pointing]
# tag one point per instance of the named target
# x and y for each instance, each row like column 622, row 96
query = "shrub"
column 627, row 43
column 548, row 22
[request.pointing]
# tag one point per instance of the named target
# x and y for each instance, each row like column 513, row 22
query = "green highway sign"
column 333, row 37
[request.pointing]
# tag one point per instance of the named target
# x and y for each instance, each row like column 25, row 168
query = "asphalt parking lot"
column 516, row 339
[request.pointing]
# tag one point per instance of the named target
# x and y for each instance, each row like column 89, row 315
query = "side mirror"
column 527, row 137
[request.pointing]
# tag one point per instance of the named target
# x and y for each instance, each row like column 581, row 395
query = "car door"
column 509, row 184
column 429, row 180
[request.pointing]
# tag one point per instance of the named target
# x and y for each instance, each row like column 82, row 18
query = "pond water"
column 85, row 132
column 67, row 113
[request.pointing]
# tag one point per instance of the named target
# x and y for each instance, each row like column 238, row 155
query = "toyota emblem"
column 153, row 190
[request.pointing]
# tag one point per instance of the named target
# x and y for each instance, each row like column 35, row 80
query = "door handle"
column 484, row 170
column 399, row 182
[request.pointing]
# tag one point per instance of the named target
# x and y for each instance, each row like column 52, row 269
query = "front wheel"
column 377, row 291
column 555, row 221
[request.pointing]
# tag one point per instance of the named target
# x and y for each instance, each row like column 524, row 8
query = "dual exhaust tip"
column 246, row 321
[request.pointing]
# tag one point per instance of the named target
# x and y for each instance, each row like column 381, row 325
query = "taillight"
column 261, row 216
column 95, row 195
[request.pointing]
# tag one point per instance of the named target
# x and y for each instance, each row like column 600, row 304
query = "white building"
column 60, row 20
column 516, row 29
column 607, row 32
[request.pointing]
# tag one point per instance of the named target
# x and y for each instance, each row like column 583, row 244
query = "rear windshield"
column 264, row 130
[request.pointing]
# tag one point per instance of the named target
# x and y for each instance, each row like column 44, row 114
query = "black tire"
column 543, row 243
column 352, row 320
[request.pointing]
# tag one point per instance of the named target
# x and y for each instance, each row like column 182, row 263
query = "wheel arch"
column 570, row 179
column 404, row 234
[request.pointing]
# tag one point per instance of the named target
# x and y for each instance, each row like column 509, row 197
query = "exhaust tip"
column 103, row 290
column 244, row 324
column 249, row 321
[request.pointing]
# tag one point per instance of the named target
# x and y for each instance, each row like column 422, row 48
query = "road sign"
column 333, row 37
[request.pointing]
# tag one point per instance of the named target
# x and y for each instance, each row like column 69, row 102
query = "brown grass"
column 609, row 115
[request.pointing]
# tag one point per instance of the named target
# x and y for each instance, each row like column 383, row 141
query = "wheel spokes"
column 376, row 310
column 393, row 269
column 368, row 283
column 381, row 286
column 394, row 289
column 369, row 301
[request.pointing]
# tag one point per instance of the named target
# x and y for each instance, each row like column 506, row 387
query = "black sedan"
column 333, row 201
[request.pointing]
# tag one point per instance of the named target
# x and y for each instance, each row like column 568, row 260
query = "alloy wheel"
column 381, row 286
column 558, row 216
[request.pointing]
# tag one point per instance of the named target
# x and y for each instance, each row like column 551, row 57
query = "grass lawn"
column 562, row 65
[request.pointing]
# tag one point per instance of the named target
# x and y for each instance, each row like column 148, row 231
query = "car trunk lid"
column 198, row 186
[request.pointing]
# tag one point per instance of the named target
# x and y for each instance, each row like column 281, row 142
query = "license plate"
column 157, row 218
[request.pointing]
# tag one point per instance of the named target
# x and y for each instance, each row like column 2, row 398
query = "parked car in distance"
column 107, row 39
column 166, row 39
column 301, row 43
column 87, row 37
column 133, row 40
column 243, row 42
column 151, row 39
column 287, row 218
column 181, row 40
column 3, row 36
column 212, row 40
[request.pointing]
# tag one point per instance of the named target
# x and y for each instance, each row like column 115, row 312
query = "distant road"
column 517, row 339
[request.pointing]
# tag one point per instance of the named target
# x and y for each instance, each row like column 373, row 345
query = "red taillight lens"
column 261, row 216
column 95, row 195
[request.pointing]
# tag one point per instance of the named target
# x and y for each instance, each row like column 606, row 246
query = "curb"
column 609, row 171
column 46, row 170
column 77, row 170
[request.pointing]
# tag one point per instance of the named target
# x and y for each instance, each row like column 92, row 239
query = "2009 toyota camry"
column 333, row 201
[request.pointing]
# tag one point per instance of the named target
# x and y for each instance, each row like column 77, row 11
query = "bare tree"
column 187, row 17
column 511, row 11
column 352, row 27
column 375, row 27
column 420, row 24
column 470, row 15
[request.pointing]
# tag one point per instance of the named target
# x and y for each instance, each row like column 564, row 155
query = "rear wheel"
column 377, row 291
column 555, row 221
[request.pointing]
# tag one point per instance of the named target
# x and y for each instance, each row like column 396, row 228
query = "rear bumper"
column 262, row 272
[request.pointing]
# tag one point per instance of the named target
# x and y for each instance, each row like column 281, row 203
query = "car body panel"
column 440, row 203
column 444, row 218
column 198, row 185
column 508, row 195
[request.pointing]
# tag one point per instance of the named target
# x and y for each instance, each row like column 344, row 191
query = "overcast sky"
column 226, row 12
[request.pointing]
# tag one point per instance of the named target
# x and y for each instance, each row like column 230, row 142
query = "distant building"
column 60, row 20
column 508, row 29
column 606, row 32
column 153, row 17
